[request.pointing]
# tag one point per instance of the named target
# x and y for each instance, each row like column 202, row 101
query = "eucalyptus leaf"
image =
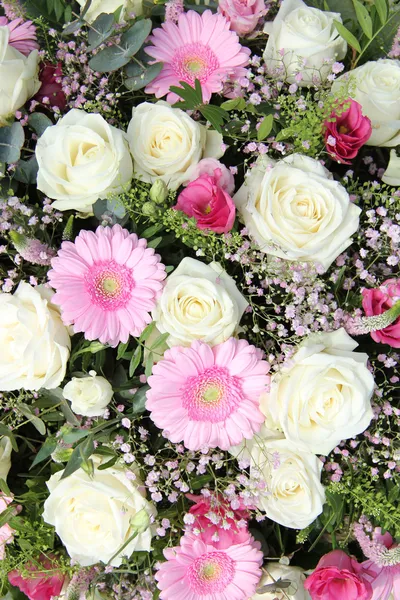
column 100, row 30
column 39, row 123
column 139, row 400
column 133, row 39
column 144, row 77
column 11, row 141
column 26, row 171
column 109, row 59
column 72, row 27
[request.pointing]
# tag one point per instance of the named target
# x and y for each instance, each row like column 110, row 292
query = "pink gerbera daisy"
column 197, row 47
column 22, row 34
column 197, row 570
column 208, row 396
column 106, row 283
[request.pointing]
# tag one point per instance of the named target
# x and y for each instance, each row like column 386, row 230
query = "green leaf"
column 133, row 39
column 139, row 400
column 59, row 9
column 39, row 123
column 234, row 104
column 382, row 40
column 348, row 36
column 109, row 463
column 109, row 59
column 154, row 242
column 143, row 77
column 121, row 350
column 45, row 451
column 6, row 515
column 26, row 171
column 25, row 410
column 135, row 360
column 100, row 30
column 4, row 487
column 80, row 454
column 11, row 141
column 363, row 18
column 73, row 435
column 147, row 332
column 5, row 431
column 192, row 97
column 382, row 10
column 68, row 14
column 117, row 13
column 265, row 128
column 152, row 230
column 215, row 115
column 159, row 341
column 149, row 364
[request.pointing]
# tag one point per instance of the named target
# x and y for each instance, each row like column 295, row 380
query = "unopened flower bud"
column 158, row 191
column 149, row 209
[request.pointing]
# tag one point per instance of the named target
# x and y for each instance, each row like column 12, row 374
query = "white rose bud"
column 5, row 457
column 301, row 38
column 34, row 342
column 165, row 142
column 81, row 159
column 294, row 495
column 93, row 515
column 18, row 77
column 89, row 396
column 98, row 7
column 275, row 572
column 199, row 302
column 376, row 86
column 325, row 397
column 295, row 210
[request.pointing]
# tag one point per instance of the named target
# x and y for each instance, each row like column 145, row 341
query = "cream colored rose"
column 376, row 86
column 199, row 302
column 81, row 159
column 89, row 396
column 110, row 6
column 294, row 209
column 307, row 37
column 5, row 457
column 325, row 396
column 392, row 174
column 18, row 77
column 165, row 142
column 274, row 572
column 293, row 495
column 34, row 342
column 95, row 516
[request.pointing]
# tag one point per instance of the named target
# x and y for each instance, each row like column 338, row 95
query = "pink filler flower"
column 106, row 283
column 22, row 35
column 208, row 203
column 197, row 570
column 243, row 15
column 208, row 396
column 347, row 133
column 377, row 301
column 198, row 47
column 40, row 585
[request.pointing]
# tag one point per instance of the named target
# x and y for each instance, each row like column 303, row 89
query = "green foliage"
column 193, row 100
column 11, row 141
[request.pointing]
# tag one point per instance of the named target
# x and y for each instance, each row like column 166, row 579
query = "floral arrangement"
column 200, row 299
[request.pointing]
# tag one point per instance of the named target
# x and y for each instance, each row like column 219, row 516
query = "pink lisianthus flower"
column 6, row 532
column 195, row 569
column 243, row 15
column 349, row 131
column 377, row 301
column 208, row 203
column 41, row 584
column 217, row 522
column 197, row 47
column 338, row 576
column 214, row 168
column 22, row 35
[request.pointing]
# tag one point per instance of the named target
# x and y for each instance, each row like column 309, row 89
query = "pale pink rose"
column 243, row 15
column 210, row 166
column 6, row 532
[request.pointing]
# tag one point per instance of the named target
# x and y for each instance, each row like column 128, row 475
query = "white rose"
column 295, row 210
column 5, row 457
column 308, row 37
column 275, row 572
column 325, row 396
column 110, row 6
column 165, row 142
column 376, row 86
column 199, row 302
column 82, row 158
column 392, row 174
column 34, row 342
column 89, row 396
column 293, row 495
column 95, row 516
column 18, row 77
